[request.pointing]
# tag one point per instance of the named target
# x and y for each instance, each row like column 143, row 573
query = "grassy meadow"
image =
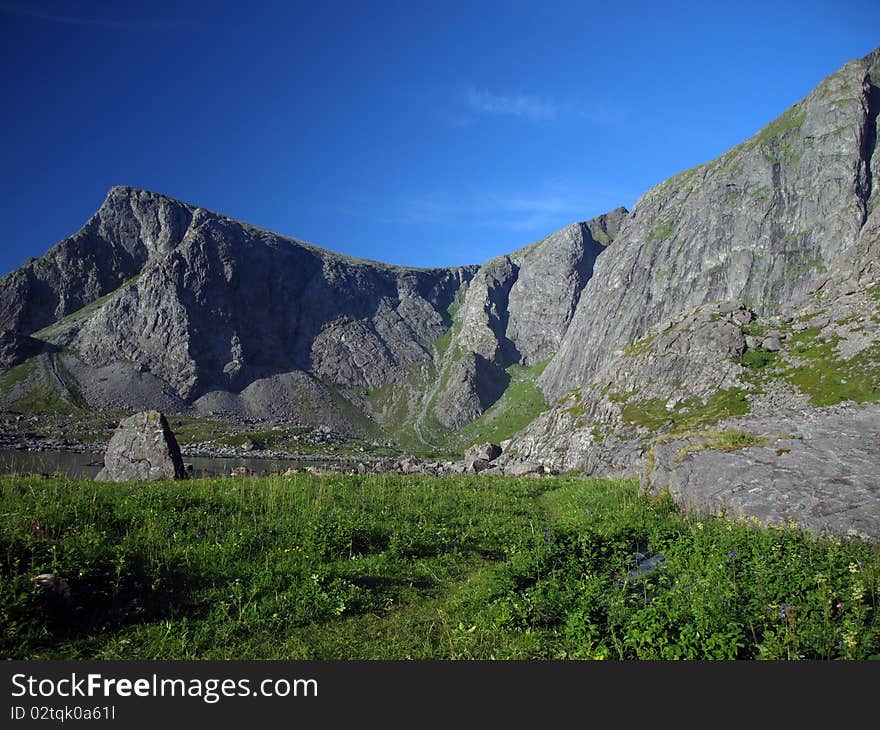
column 393, row 567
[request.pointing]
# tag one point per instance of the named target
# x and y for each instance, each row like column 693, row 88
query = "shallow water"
column 87, row 466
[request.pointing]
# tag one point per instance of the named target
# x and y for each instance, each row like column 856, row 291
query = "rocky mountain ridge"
column 655, row 351
column 159, row 303
column 725, row 294
column 755, row 225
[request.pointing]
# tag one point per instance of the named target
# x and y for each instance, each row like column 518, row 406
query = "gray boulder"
column 142, row 449
column 486, row 451
column 54, row 584
column 771, row 344
column 410, row 465
column 476, row 465
column 524, row 469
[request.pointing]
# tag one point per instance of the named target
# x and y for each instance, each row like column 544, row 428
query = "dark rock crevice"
column 868, row 134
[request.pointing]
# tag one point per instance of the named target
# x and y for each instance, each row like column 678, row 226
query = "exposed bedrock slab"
column 819, row 468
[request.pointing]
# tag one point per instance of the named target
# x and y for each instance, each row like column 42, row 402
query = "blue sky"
column 419, row 133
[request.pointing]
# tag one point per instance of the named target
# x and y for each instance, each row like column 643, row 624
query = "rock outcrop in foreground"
column 142, row 449
column 818, row 469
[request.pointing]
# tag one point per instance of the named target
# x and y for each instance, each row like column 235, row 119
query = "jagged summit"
column 122, row 196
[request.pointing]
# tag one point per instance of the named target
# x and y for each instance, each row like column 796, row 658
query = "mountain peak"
column 118, row 194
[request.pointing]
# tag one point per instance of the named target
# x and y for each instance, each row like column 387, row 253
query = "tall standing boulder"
column 142, row 449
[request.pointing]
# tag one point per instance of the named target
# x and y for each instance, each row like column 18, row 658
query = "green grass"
column 441, row 344
column 828, row 379
column 393, row 567
column 810, row 362
column 758, row 359
column 640, row 347
column 521, row 403
column 729, row 440
column 42, row 397
column 389, row 401
column 576, row 411
column 789, row 120
column 348, row 410
column 395, row 406
column 776, row 144
column 664, row 229
column 16, row 376
column 687, row 415
column 80, row 315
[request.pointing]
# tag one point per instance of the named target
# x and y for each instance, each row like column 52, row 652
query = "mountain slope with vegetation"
column 739, row 288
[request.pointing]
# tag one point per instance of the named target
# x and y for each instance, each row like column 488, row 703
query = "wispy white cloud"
column 475, row 103
column 31, row 10
column 549, row 204
column 525, row 106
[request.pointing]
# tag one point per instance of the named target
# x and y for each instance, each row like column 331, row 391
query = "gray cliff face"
column 232, row 304
column 16, row 349
column 689, row 309
column 604, row 228
column 677, row 369
column 695, row 328
column 473, row 384
column 720, row 363
column 546, row 293
column 131, row 227
column 232, row 318
column 756, row 225
column 486, row 312
column 516, row 310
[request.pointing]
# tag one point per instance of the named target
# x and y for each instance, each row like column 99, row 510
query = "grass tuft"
column 730, row 440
